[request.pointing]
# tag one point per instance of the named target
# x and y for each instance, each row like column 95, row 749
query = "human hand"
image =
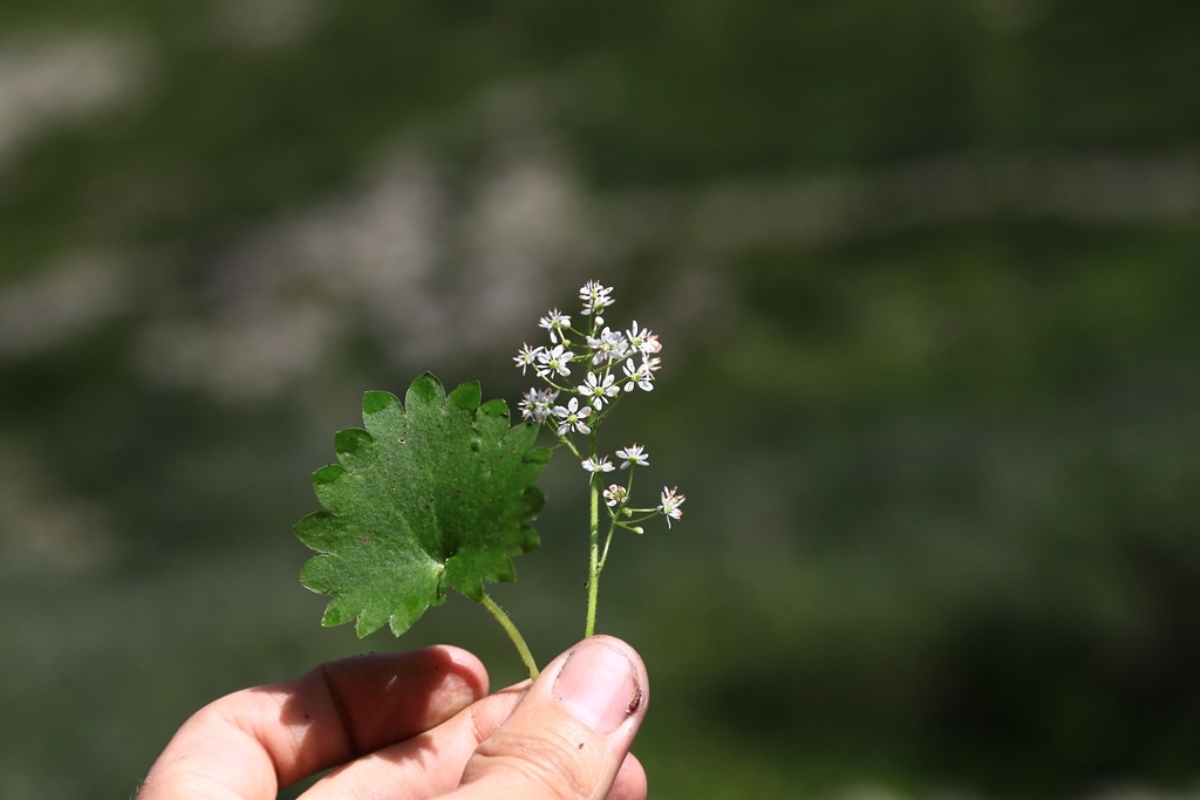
column 420, row 725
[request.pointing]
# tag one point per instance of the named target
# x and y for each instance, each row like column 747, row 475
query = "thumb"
column 571, row 732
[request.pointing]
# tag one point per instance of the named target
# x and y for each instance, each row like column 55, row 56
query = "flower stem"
column 607, row 542
column 593, row 584
column 513, row 634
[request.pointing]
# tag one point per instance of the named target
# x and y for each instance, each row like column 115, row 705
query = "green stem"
column 607, row 542
column 593, row 585
column 513, row 634
column 613, row 527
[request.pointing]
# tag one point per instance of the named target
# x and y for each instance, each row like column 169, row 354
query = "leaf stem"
column 513, row 634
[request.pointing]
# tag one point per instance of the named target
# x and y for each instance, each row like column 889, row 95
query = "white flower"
column 634, row 454
column 537, row 405
column 554, row 361
column 573, row 417
column 599, row 389
column 671, row 501
column 594, row 297
column 642, row 340
column 610, row 345
column 554, row 322
column 615, row 495
column 640, row 377
column 526, row 355
column 592, row 465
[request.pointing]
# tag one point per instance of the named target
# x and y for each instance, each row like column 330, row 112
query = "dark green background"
column 926, row 274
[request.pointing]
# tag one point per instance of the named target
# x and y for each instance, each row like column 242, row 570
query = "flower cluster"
column 593, row 367
column 605, row 351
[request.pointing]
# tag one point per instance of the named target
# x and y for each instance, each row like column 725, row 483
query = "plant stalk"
column 593, row 585
column 513, row 633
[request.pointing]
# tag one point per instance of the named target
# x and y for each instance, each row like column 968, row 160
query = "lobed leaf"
column 431, row 495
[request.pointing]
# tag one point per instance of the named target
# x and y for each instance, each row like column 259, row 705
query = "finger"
column 254, row 742
column 631, row 781
column 571, row 732
column 429, row 764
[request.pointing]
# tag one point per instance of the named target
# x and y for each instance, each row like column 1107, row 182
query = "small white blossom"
column 594, row 465
column 573, row 417
column 599, row 389
column 610, row 345
column 671, row 502
column 554, row 323
column 537, row 405
column 526, row 355
column 640, row 377
column 615, row 495
column 634, row 454
column 642, row 340
column 554, row 361
column 594, row 297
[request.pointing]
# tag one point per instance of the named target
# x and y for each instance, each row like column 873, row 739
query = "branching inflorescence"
column 612, row 365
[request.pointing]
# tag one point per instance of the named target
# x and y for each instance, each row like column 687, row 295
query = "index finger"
column 250, row 744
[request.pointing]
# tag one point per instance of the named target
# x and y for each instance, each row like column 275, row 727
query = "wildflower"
column 640, row 377
column 554, row 361
column 671, row 502
column 642, row 340
column 615, row 495
column 594, row 465
column 554, row 323
column 599, row 389
column 634, row 454
column 610, row 345
column 537, row 405
column 573, row 417
column 594, row 297
column 526, row 355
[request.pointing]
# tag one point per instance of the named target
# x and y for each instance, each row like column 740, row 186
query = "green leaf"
column 431, row 495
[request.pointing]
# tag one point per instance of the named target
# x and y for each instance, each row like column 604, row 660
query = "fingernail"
column 599, row 686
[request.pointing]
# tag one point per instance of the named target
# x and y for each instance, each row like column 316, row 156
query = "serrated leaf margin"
column 318, row 530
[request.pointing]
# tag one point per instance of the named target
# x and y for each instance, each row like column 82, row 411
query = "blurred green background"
column 926, row 274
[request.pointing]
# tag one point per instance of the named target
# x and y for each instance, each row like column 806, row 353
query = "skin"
column 420, row 725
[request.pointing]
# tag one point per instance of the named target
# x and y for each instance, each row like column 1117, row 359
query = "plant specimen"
column 437, row 493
